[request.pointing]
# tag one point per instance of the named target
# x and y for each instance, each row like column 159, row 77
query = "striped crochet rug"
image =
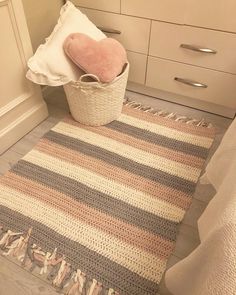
column 96, row 209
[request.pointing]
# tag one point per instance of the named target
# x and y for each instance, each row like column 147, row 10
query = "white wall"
column 41, row 18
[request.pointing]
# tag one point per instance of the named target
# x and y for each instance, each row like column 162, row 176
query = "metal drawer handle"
column 198, row 48
column 190, row 82
column 108, row 30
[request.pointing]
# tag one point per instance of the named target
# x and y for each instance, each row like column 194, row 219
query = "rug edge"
column 168, row 115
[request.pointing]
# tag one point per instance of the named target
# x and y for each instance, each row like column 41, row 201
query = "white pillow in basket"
column 50, row 65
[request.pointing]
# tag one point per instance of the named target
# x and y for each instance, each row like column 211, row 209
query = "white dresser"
column 183, row 51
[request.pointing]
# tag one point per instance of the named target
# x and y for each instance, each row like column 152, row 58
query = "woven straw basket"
column 94, row 103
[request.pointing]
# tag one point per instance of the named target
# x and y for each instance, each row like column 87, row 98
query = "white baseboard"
column 22, row 125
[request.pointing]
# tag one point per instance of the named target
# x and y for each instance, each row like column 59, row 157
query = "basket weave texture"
column 94, row 103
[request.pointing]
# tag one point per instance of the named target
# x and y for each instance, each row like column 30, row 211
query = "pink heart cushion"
column 104, row 58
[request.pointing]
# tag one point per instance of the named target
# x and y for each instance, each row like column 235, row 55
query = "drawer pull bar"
column 108, row 30
column 198, row 48
column 190, row 82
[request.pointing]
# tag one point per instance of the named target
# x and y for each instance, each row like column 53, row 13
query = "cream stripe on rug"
column 116, row 190
column 168, row 132
column 141, row 261
column 139, row 156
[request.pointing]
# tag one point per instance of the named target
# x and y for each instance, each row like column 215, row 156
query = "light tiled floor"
column 18, row 282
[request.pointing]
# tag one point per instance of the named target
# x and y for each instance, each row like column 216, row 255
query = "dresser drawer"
column 138, row 64
column 224, row 44
column 113, row 6
column 221, row 87
column 219, row 15
column 166, row 10
column 134, row 31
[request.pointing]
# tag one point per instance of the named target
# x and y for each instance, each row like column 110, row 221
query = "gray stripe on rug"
column 154, row 138
column 96, row 199
column 153, row 174
column 92, row 263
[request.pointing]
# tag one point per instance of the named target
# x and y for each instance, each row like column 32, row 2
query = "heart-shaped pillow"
column 104, row 58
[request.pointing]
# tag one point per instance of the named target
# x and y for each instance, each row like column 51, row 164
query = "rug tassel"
column 5, row 239
column 70, row 283
column 98, row 289
column 15, row 245
column 192, row 122
column 51, row 260
column 63, row 275
column 44, row 269
column 56, row 281
column 92, row 288
column 79, row 281
column 54, row 254
column 161, row 113
column 147, row 109
column 27, row 258
column 20, row 250
column 110, row 292
column 181, row 119
column 95, row 288
column 171, row 116
column 74, row 290
column 54, row 271
column 68, row 278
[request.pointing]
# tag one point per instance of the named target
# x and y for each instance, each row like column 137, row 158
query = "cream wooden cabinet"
column 222, row 44
column 21, row 103
column 184, row 51
column 113, row 6
column 219, row 15
column 219, row 85
column 137, row 72
column 212, row 14
column 134, row 31
column 165, row 10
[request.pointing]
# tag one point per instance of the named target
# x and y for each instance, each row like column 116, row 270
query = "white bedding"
column 211, row 268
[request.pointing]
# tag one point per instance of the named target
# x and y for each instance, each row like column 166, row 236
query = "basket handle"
column 89, row 75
